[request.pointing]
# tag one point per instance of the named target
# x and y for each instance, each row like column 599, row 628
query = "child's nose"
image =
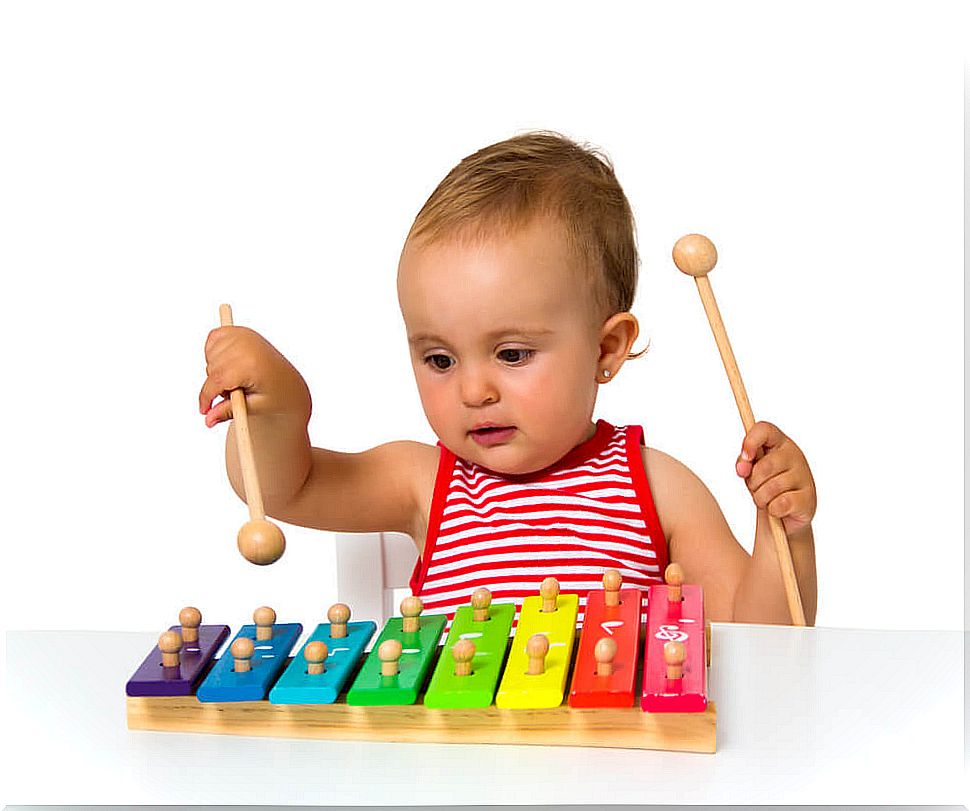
column 477, row 388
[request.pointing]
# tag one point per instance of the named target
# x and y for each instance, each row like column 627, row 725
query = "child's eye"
column 440, row 362
column 515, row 356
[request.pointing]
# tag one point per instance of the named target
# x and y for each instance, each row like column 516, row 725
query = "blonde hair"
column 504, row 186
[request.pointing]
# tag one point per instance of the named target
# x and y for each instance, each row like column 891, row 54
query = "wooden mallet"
column 260, row 541
column 696, row 256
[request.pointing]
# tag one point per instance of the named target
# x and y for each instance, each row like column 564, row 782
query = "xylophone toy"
column 612, row 688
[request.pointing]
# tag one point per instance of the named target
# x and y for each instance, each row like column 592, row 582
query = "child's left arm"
column 781, row 484
column 737, row 586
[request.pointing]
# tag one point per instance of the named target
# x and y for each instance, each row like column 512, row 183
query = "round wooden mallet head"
column 338, row 616
column 695, row 255
column 315, row 654
column 604, row 652
column 411, row 608
column 463, row 651
column 261, row 542
column 481, row 600
column 389, row 652
column 170, row 643
column 536, row 649
column 190, row 618
column 242, row 650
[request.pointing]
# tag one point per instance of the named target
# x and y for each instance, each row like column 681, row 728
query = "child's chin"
column 505, row 463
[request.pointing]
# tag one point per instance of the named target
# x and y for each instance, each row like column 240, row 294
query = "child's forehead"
column 530, row 271
column 538, row 253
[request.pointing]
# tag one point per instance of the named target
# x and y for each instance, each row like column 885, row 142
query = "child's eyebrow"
column 427, row 337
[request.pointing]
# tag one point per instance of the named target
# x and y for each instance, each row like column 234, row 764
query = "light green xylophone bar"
column 491, row 640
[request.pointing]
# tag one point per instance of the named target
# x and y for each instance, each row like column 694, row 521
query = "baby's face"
column 504, row 342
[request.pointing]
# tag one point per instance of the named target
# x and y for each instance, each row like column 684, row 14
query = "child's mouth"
column 492, row 434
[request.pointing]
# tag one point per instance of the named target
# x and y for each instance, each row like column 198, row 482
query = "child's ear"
column 617, row 336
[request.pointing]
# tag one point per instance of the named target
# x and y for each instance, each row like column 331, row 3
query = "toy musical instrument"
column 610, row 688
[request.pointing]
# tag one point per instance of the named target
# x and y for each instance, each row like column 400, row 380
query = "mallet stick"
column 260, row 541
column 696, row 256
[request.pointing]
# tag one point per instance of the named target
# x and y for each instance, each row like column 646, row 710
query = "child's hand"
column 780, row 481
column 238, row 358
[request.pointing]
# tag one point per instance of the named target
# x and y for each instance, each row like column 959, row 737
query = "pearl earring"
column 606, row 373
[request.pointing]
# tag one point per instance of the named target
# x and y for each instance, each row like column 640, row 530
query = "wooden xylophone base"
column 561, row 726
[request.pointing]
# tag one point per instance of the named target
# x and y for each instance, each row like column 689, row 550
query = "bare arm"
column 698, row 536
column 761, row 593
column 384, row 488
column 282, row 452
column 737, row 586
column 781, row 484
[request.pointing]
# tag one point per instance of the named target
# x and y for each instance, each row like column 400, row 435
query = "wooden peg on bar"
column 264, row 617
column 411, row 608
column 242, row 650
column 316, row 654
column 190, row 618
column 338, row 616
column 612, row 582
column 674, row 654
column 674, row 578
column 605, row 652
column 537, row 648
column 463, row 651
column 170, row 643
column 390, row 653
column 481, row 600
column 549, row 591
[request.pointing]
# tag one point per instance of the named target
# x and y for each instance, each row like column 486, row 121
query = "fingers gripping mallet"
column 260, row 541
column 696, row 256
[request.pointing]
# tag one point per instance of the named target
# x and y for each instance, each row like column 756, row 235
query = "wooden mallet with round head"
column 696, row 256
column 260, row 541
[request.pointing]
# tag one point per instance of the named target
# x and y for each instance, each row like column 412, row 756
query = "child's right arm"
column 382, row 489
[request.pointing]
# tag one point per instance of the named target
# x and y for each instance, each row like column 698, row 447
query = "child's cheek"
column 437, row 407
column 545, row 392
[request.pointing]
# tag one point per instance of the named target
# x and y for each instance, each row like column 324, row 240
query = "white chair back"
column 373, row 570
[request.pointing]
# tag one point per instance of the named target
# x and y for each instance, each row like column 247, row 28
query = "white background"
column 159, row 159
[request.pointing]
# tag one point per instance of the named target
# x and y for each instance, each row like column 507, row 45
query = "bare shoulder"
column 416, row 465
column 411, row 468
column 420, row 467
column 677, row 491
column 674, row 486
column 410, row 457
column 698, row 536
column 663, row 464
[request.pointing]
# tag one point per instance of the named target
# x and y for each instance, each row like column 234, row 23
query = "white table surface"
column 810, row 716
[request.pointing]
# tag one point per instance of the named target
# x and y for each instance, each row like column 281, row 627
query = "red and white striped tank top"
column 590, row 511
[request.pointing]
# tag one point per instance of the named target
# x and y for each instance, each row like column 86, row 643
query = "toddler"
column 515, row 284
